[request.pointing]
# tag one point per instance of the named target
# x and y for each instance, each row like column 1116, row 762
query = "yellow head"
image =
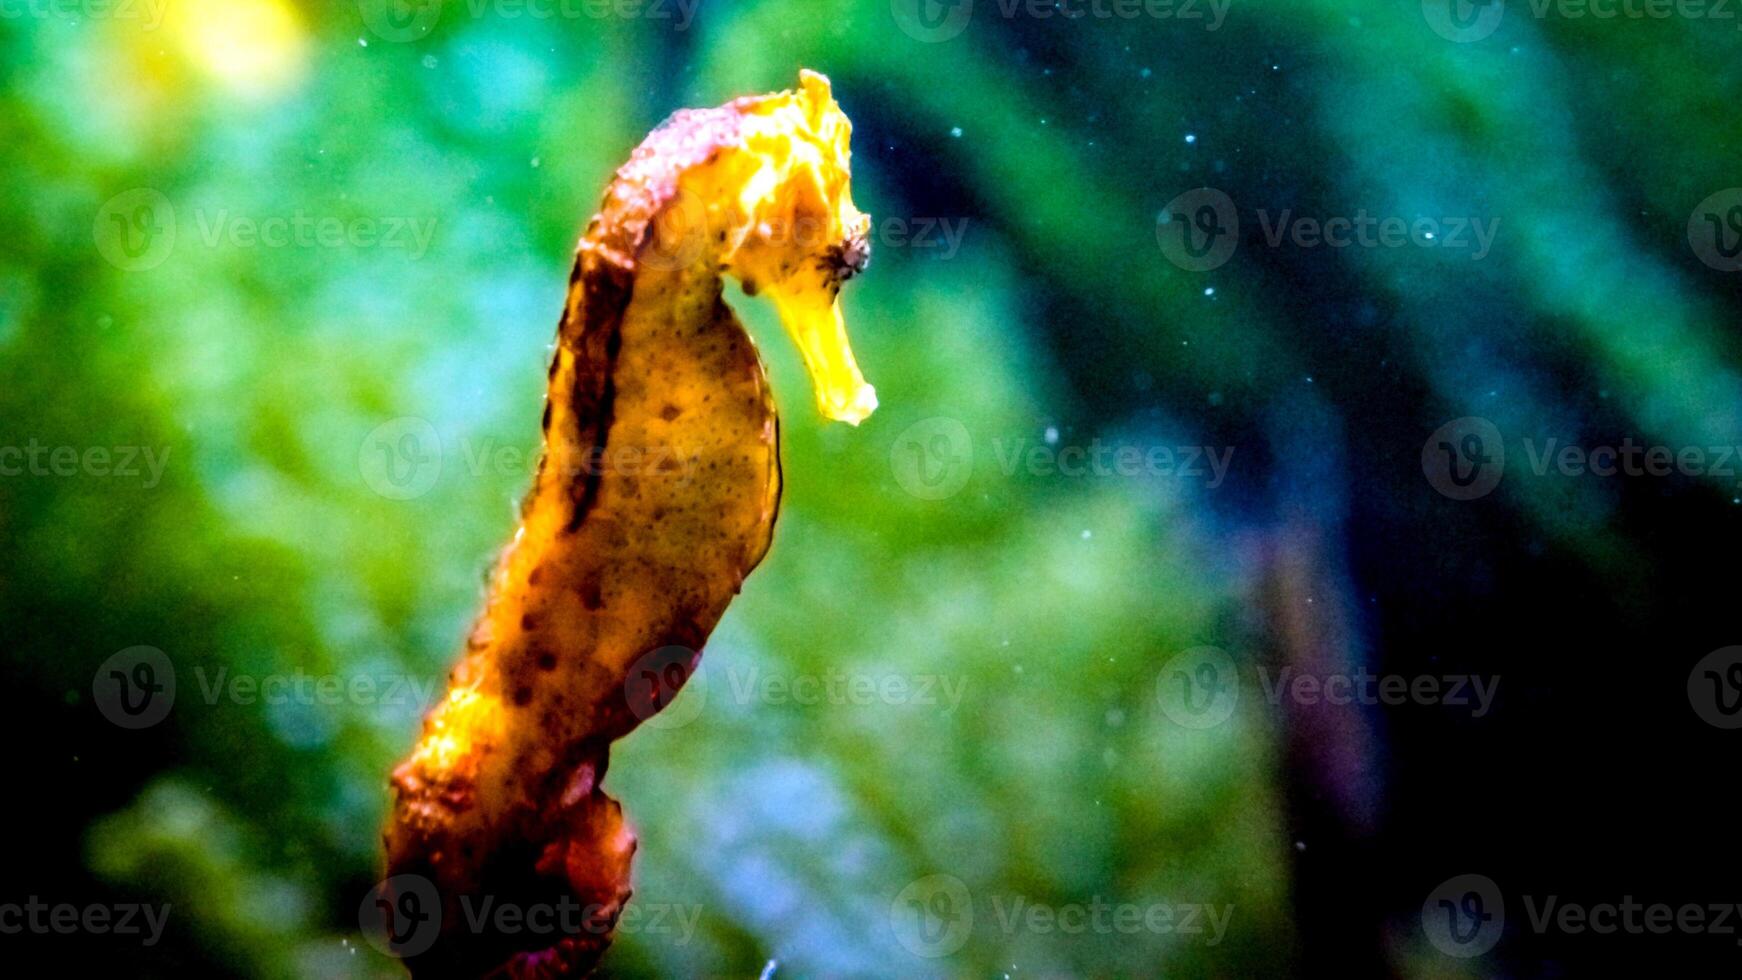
column 781, row 198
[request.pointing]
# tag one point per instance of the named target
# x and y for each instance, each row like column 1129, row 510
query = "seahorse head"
column 780, row 218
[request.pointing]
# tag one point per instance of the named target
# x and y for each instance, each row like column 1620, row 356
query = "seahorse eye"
column 851, row 257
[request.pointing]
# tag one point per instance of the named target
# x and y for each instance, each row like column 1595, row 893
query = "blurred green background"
column 261, row 241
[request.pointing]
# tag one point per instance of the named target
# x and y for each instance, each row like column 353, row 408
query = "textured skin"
column 656, row 496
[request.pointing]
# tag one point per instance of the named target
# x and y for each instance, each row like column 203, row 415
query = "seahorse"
column 655, row 497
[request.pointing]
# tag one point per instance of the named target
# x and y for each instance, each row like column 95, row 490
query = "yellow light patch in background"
column 253, row 47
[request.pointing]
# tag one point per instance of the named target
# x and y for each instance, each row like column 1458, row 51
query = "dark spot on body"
column 592, row 597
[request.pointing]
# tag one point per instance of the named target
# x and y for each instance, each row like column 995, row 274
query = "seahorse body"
column 656, row 496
